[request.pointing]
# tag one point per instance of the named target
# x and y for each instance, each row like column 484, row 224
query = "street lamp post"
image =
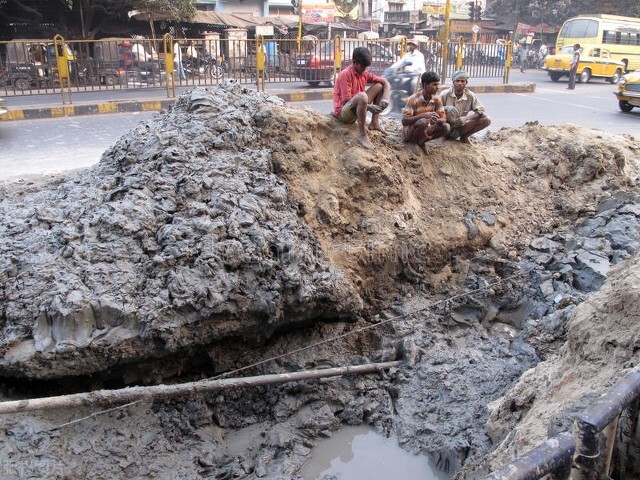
column 445, row 40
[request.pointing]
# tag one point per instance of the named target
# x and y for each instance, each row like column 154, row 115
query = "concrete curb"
column 122, row 106
column 87, row 109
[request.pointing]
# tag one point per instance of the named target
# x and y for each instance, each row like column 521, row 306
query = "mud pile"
column 181, row 236
column 234, row 229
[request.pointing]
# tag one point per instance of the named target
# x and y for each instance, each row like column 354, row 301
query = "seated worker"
column 350, row 100
column 465, row 113
column 423, row 117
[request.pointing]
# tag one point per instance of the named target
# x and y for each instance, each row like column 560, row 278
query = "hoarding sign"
column 318, row 13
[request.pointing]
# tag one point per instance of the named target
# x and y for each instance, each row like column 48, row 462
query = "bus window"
column 608, row 36
column 580, row 28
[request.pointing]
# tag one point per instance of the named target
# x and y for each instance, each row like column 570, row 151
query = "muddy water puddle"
column 354, row 453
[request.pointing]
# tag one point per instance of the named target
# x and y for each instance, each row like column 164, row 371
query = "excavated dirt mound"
column 234, row 228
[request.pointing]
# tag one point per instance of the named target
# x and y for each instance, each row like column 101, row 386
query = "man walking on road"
column 575, row 60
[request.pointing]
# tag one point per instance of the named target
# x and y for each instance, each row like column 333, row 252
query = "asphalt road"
column 52, row 145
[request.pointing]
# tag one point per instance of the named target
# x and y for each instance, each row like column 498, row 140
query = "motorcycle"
column 403, row 84
column 205, row 67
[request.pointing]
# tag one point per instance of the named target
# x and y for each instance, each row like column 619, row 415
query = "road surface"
column 54, row 145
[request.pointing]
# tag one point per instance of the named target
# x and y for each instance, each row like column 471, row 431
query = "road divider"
column 128, row 106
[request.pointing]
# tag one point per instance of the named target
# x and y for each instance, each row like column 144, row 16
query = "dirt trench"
column 234, row 229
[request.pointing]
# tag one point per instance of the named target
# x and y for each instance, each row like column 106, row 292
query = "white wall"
column 255, row 7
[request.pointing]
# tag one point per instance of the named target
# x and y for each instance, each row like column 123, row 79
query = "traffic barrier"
column 51, row 66
column 579, row 454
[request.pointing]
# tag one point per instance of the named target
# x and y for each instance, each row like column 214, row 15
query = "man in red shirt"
column 423, row 117
column 351, row 101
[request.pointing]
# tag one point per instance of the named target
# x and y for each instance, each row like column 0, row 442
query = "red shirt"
column 348, row 84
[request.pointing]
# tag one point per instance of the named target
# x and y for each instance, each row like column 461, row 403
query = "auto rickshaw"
column 32, row 63
column 111, row 59
column 120, row 60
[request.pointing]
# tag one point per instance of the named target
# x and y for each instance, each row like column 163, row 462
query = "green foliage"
column 66, row 14
column 173, row 10
column 555, row 12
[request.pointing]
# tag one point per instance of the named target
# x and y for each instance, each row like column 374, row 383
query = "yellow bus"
column 619, row 35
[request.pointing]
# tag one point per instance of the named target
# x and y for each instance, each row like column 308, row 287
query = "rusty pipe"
column 604, row 411
column 553, row 456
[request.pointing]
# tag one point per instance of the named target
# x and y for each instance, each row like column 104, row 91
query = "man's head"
column 430, row 82
column 576, row 46
column 412, row 44
column 460, row 80
column 361, row 59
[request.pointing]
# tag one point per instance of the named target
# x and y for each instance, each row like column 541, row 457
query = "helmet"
column 413, row 41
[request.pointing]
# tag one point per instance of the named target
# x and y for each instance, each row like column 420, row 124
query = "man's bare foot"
column 417, row 149
column 365, row 142
column 465, row 140
column 376, row 126
column 374, row 108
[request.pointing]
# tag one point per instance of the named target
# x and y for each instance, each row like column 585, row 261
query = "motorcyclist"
column 412, row 61
column 404, row 76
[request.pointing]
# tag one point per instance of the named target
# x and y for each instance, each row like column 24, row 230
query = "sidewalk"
column 39, row 106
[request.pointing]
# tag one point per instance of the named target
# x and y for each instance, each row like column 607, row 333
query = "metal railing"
column 30, row 67
column 602, row 443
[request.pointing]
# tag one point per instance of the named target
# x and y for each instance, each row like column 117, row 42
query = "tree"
column 555, row 12
column 173, row 10
column 87, row 16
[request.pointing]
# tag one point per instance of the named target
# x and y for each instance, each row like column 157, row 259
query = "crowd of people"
column 428, row 116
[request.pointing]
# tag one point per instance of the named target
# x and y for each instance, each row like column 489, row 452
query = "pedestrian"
column 522, row 57
column 465, row 114
column 177, row 60
column 575, row 60
column 192, row 51
column 423, row 117
column 352, row 99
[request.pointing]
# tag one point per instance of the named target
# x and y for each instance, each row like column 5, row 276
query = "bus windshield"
column 580, row 28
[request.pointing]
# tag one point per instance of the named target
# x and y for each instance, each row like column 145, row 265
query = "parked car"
column 317, row 65
column 594, row 62
column 628, row 93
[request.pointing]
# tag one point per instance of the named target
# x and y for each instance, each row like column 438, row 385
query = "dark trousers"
column 572, row 78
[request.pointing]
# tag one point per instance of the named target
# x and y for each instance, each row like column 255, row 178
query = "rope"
column 329, row 340
column 376, row 325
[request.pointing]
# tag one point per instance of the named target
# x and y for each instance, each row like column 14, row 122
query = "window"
column 580, row 28
column 609, row 36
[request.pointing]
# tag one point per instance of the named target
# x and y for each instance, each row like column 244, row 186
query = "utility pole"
column 297, row 9
column 445, row 41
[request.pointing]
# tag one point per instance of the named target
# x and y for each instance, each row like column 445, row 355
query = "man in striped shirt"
column 423, row 117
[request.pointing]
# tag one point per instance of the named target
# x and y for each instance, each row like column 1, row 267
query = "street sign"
column 475, row 29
